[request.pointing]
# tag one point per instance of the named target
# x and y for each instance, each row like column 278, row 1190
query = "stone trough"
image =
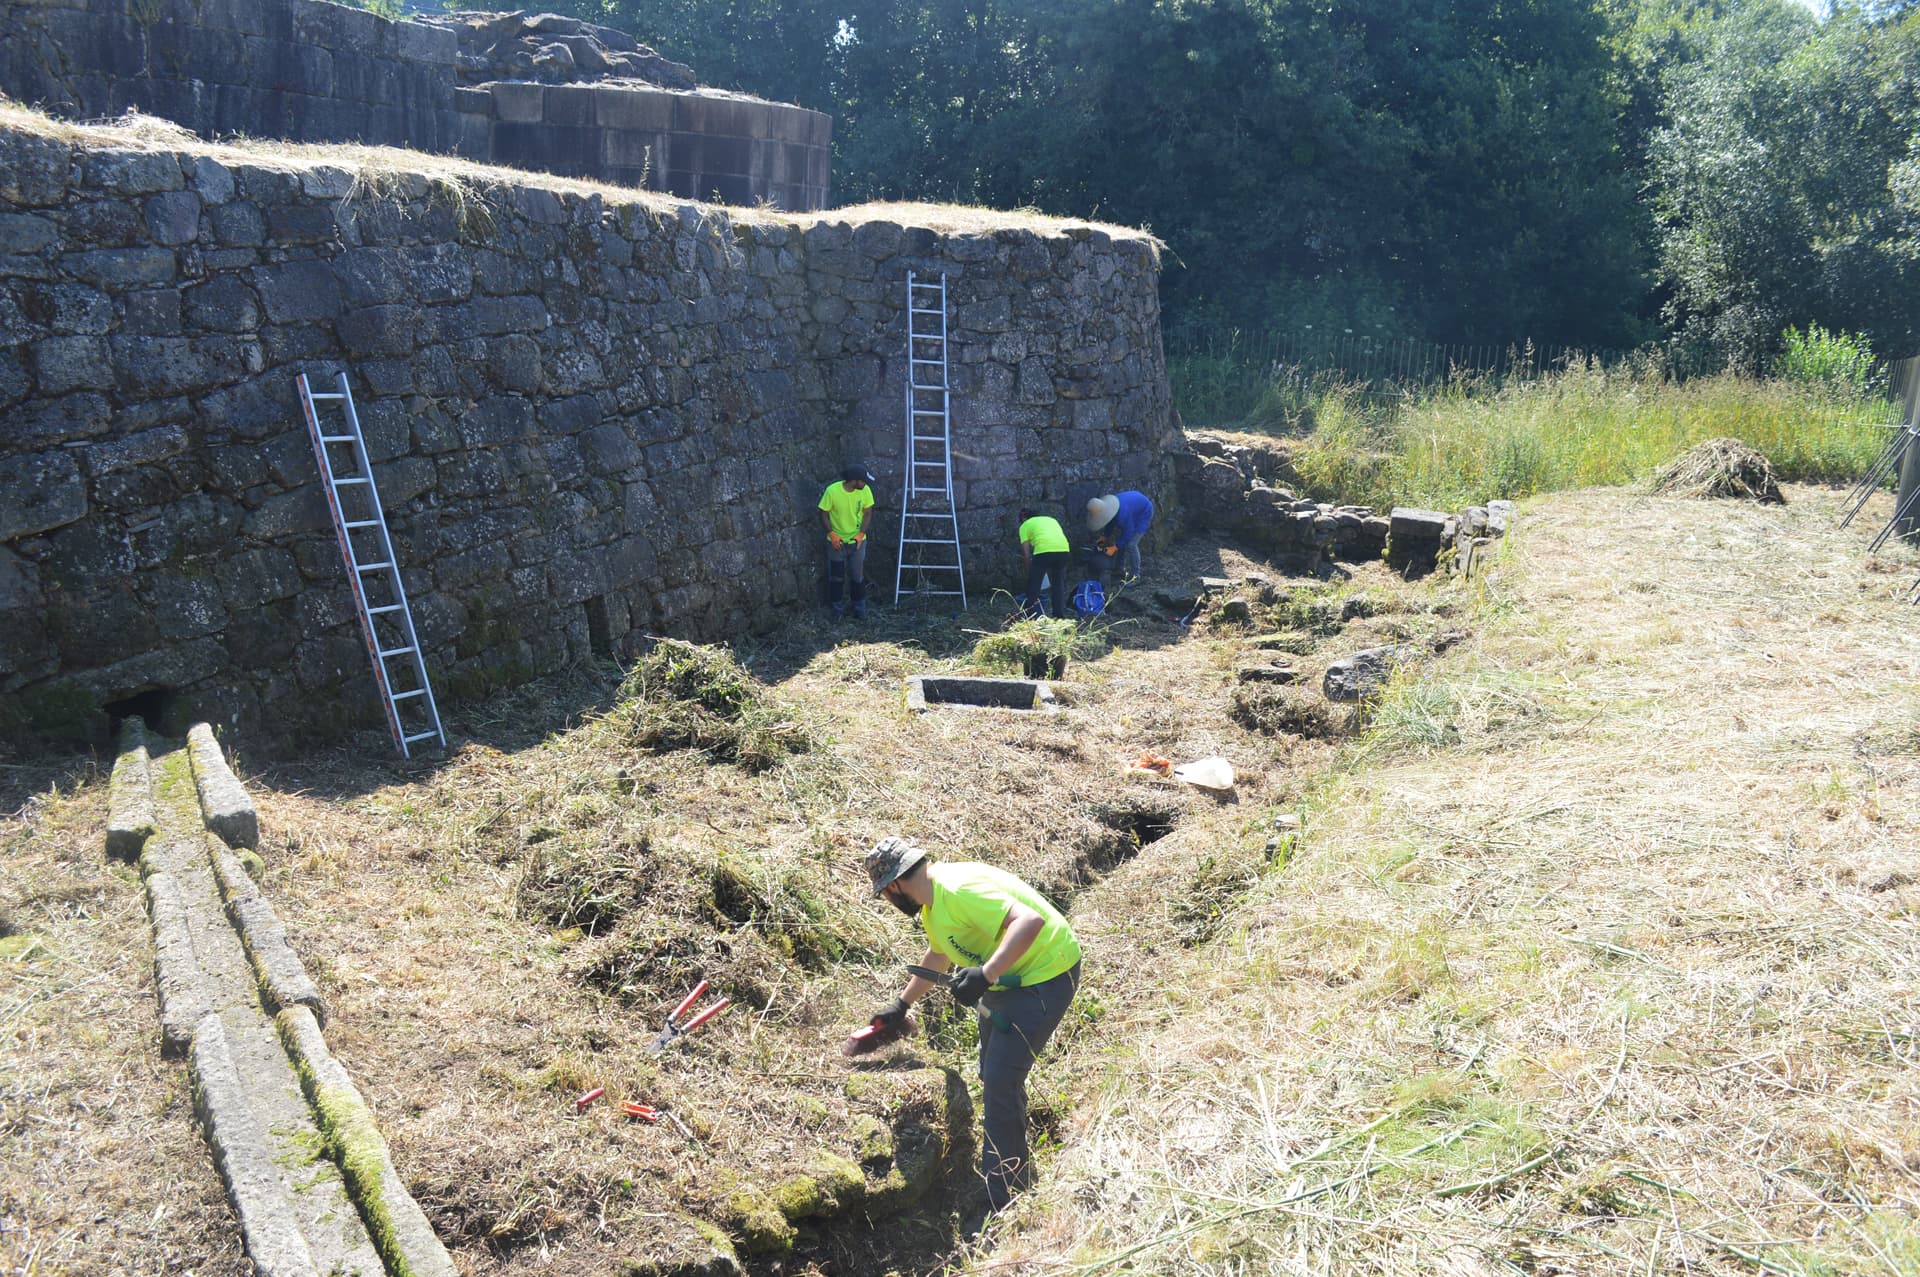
column 925, row 691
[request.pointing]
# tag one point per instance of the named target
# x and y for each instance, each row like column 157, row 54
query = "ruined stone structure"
column 590, row 417
column 546, row 93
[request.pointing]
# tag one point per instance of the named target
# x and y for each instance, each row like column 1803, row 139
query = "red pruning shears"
column 675, row 1029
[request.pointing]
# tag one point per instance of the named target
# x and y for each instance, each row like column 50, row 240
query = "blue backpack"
column 1090, row 599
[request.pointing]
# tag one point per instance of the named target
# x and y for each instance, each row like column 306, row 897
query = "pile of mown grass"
column 1719, row 468
column 691, row 696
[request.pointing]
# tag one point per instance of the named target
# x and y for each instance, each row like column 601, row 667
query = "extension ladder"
column 385, row 619
column 929, row 526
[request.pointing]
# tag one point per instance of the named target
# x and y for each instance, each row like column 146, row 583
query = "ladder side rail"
column 399, row 588
column 906, row 495
column 328, row 482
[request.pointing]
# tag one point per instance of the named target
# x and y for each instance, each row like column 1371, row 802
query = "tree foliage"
column 1477, row 170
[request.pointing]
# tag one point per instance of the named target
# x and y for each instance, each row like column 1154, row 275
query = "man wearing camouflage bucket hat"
column 1017, row 962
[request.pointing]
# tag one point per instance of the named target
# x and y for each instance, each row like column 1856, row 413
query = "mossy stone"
column 758, row 1224
column 799, row 1196
column 21, row 947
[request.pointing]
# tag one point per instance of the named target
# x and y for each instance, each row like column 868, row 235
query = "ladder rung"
column 395, row 651
column 401, row 696
column 376, row 611
column 336, row 438
column 363, row 523
column 936, row 362
column 924, row 310
column 374, row 567
column 331, row 394
column 341, row 483
column 423, row 736
column 927, row 541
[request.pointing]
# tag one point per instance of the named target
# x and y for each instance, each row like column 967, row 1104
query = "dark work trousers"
column 847, row 565
column 1014, row 1026
column 1048, row 565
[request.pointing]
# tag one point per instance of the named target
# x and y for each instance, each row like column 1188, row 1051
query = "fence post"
column 1909, row 527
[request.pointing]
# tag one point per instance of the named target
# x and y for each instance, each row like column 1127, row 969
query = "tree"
column 1780, row 183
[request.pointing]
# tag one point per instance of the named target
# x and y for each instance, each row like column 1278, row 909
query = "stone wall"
column 705, row 146
column 295, row 69
column 310, row 71
column 589, row 417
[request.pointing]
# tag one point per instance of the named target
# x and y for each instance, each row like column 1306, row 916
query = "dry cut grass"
column 1602, row 954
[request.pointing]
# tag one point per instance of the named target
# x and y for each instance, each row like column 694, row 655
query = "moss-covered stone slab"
column 239, row 1142
column 130, row 816
column 224, row 802
column 400, row 1229
column 283, row 977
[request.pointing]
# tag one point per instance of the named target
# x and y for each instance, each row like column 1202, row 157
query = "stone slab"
column 185, row 993
column 130, row 816
column 407, row 1241
column 322, row 1208
column 283, row 977
column 223, row 799
column 239, row 1142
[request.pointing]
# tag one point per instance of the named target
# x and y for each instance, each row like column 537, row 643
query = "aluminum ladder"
column 929, row 527
column 385, row 619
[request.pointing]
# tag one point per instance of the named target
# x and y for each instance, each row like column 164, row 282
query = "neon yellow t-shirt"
column 969, row 911
column 1043, row 533
column 844, row 508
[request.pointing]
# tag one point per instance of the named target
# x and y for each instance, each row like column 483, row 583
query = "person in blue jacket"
column 1118, row 521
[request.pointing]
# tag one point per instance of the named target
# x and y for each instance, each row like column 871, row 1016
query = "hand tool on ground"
column 645, row 1112
column 580, row 1105
column 675, row 1030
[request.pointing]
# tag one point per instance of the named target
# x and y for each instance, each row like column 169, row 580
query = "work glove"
column 969, row 983
column 890, row 1015
column 1112, row 550
column 834, row 540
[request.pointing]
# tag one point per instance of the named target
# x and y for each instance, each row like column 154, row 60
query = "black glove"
column 969, row 983
column 894, row 1012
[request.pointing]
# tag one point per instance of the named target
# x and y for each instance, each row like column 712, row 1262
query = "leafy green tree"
column 1780, row 178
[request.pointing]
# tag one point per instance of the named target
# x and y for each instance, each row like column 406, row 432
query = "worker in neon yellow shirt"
column 1045, row 551
column 846, row 511
column 1018, row 962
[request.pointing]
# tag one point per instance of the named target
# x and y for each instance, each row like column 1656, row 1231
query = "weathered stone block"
column 380, row 330
column 39, row 492
column 296, row 291
column 173, row 217
column 117, row 268
column 132, row 172
column 1407, row 523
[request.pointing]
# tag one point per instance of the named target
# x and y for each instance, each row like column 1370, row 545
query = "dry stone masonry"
column 542, row 92
column 1226, row 487
column 590, row 416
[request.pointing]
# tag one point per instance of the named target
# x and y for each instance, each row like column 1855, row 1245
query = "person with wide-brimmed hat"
column 846, row 511
column 1018, row 965
column 1118, row 521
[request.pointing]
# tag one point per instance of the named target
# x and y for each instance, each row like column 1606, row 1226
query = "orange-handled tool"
column 645, row 1112
column 675, row 1029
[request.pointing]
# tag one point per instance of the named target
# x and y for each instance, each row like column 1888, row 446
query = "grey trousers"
column 1014, row 1027
column 847, row 565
